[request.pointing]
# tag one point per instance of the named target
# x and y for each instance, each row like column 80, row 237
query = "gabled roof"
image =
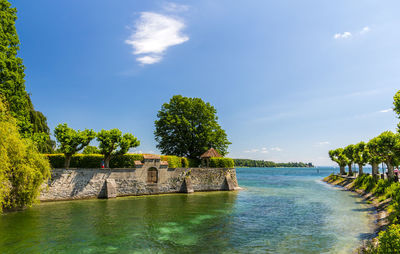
column 210, row 153
column 151, row 157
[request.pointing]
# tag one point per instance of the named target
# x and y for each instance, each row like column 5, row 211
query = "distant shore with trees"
column 248, row 163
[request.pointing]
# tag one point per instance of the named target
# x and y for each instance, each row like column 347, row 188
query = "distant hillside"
column 270, row 164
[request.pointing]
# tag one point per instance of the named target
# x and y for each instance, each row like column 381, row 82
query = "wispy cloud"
column 276, row 149
column 348, row 35
column 386, row 110
column 323, row 143
column 263, row 150
column 345, row 35
column 153, row 34
column 173, row 7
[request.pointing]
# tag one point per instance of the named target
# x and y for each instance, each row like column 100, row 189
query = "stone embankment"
column 148, row 178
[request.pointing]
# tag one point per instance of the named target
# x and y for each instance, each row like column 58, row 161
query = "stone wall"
column 66, row 184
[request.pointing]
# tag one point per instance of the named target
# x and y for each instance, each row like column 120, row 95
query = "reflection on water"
column 280, row 211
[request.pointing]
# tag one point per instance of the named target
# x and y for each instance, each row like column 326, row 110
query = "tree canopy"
column 31, row 123
column 91, row 150
column 361, row 155
column 23, row 169
column 189, row 127
column 112, row 142
column 72, row 141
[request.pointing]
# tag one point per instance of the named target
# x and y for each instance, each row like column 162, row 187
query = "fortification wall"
column 66, row 184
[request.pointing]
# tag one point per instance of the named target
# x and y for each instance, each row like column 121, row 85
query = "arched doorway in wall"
column 152, row 175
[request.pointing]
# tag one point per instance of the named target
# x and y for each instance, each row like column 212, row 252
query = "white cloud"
column 153, row 34
column 323, row 143
column 173, row 7
column 386, row 110
column 365, row 30
column 264, row 150
column 345, row 35
column 276, row 149
column 149, row 59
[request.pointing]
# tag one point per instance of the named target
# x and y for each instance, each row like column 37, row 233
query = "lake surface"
column 281, row 210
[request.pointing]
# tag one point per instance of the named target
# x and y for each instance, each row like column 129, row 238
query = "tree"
column 111, row 140
column 91, row 150
column 31, row 123
column 338, row 156
column 387, row 147
column 189, row 127
column 23, row 169
column 72, row 141
column 349, row 153
column 361, row 155
column 396, row 109
column 374, row 158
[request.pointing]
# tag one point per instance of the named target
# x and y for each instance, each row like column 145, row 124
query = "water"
column 280, row 211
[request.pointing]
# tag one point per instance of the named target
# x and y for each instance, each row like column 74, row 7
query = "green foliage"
column 91, row 150
column 71, row 140
column 389, row 241
column 173, row 161
column 270, row 164
column 111, row 140
column 396, row 103
column 94, row 160
column 365, row 182
column 220, row 162
column 189, row 127
column 348, row 151
column 184, row 162
column 194, row 163
column 125, row 160
column 23, row 168
column 361, row 153
column 339, row 157
column 381, row 187
column 12, row 83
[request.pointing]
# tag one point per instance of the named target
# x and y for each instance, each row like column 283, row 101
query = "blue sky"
column 290, row 79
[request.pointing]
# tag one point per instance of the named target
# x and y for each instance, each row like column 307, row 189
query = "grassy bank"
column 384, row 195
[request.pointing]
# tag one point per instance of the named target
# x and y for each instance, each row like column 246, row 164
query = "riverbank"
column 379, row 206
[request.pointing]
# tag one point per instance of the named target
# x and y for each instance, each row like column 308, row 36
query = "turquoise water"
column 280, row 211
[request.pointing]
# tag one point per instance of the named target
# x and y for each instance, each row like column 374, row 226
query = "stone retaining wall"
column 66, row 184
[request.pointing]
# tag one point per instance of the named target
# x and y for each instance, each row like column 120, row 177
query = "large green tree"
column 189, row 127
column 22, row 168
column 31, row 123
column 72, row 141
column 349, row 153
column 112, row 142
column 338, row 156
column 361, row 155
column 387, row 147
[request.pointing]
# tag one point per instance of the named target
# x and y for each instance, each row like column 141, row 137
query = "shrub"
column 217, row 162
column 173, row 161
column 22, row 168
column 94, row 160
column 125, row 161
column 389, row 241
column 381, row 186
column 365, row 182
column 194, row 163
column 91, row 150
column 185, row 162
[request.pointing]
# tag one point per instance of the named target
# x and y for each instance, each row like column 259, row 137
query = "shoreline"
column 379, row 213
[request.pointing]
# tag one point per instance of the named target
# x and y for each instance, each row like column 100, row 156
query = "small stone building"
column 205, row 157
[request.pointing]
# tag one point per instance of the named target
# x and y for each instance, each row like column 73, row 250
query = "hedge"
column 94, row 160
column 127, row 161
column 218, row 162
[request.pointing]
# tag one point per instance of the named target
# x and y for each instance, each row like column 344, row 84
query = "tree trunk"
column 350, row 170
column 342, row 171
column 107, row 159
column 375, row 169
column 67, row 160
column 360, row 169
column 390, row 170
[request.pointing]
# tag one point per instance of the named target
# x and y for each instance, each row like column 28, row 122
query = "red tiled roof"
column 151, row 157
column 210, row 153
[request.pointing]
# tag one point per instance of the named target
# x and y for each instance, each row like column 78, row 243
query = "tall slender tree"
column 72, row 141
column 361, row 156
column 374, row 157
column 349, row 153
column 338, row 156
